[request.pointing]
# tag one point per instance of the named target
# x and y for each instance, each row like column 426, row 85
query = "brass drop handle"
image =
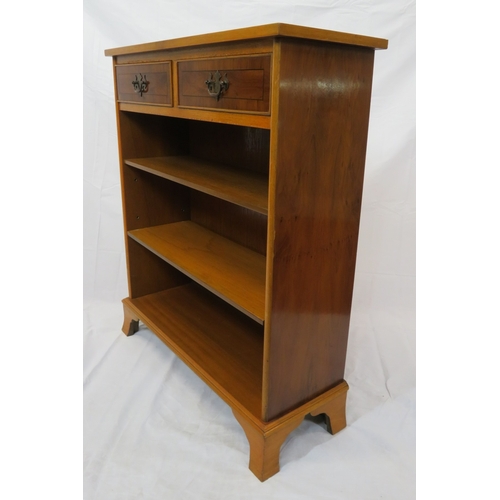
column 217, row 84
column 141, row 85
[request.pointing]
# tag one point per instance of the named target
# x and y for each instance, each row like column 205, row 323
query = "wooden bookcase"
column 242, row 158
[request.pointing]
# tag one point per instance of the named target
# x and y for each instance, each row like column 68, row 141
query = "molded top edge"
column 264, row 31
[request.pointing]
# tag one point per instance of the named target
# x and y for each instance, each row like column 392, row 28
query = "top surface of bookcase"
column 256, row 32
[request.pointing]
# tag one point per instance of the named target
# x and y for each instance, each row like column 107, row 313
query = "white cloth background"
column 152, row 429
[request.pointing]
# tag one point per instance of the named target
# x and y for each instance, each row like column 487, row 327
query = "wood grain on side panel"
column 324, row 101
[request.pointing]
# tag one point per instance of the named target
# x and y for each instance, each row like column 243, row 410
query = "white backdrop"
column 151, row 428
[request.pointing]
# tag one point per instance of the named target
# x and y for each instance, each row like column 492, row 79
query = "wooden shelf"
column 231, row 271
column 217, row 342
column 242, row 187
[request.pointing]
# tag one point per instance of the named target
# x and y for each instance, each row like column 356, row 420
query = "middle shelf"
column 240, row 186
column 231, row 271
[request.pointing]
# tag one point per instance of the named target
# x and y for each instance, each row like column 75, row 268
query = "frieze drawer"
column 145, row 83
column 236, row 83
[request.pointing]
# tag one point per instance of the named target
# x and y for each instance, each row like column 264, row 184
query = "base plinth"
column 266, row 438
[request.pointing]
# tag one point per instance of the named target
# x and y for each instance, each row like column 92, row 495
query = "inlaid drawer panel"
column 145, row 83
column 234, row 83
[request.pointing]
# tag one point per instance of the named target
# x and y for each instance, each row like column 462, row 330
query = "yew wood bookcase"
column 242, row 158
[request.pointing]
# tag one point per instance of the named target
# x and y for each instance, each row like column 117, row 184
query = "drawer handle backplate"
column 141, row 85
column 217, row 84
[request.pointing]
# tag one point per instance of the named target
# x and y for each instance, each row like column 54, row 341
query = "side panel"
column 317, row 168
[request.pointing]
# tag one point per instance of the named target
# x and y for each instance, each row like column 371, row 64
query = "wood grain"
column 243, row 187
column 159, row 90
column 318, row 172
column 215, row 50
column 266, row 438
column 265, row 447
column 148, row 200
column 148, row 273
column 334, row 412
column 218, row 343
column 208, row 115
column 241, row 147
column 248, row 78
column 231, row 271
column 255, row 32
column 241, row 225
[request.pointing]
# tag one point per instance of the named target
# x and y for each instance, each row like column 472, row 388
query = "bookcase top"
column 256, row 32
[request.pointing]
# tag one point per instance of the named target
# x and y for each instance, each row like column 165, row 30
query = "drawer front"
column 235, row 83
column 145, row 83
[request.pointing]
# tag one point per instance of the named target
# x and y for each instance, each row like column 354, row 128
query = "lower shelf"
column 221, row 345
